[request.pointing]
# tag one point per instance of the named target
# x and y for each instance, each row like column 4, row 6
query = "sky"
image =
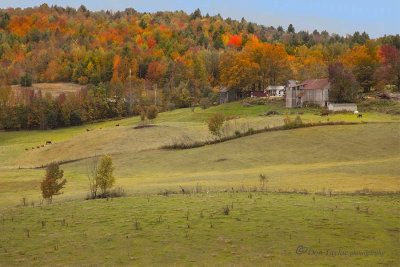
column 377, row 18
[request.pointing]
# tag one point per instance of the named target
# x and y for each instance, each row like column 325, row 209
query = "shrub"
column 205, row 103
column 171, row 106
column 152, row 112
column 52, row 184
column 298, row 121
column 117, row 192
column 226, row 210
column 289, row 123
column 215, row 124
column 105, row 178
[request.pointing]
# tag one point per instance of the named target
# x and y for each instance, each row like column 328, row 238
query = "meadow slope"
column 344, row 158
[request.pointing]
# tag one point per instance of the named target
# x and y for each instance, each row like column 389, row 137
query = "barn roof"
column 275, row 87
column 315, row 84
column 223, row 89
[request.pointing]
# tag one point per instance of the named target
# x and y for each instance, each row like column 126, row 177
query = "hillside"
column 63, row 44
column 339, row 158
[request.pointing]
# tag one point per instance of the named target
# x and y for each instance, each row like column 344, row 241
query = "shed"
column 226, row 96
column 342, row 107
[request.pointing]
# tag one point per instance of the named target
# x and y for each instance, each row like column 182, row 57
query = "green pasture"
column 340, row 158
column 261, row 229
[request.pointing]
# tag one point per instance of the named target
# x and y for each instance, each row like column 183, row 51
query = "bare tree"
column 91, row 171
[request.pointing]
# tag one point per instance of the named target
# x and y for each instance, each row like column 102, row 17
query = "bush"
column 152, row 112
column 289, row 123
column 226, row 210
column 205, row 103
column 298, row 121
column 171, row 106
column 215, row 124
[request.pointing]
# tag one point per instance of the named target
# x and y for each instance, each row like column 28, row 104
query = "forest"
column 127, row 60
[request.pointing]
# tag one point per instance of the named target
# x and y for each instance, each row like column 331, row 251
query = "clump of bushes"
column 215, row 124
column 290, row 123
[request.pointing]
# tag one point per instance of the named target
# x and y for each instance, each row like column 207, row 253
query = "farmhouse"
column 275, row 90
column 314, row 91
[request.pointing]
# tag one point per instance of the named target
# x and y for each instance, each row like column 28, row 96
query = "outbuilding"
column 342, row 107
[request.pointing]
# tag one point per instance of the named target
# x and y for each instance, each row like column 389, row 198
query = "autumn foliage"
column 120, row 56
column 52, row 183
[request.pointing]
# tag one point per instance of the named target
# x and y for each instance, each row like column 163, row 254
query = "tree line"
column 126, row 58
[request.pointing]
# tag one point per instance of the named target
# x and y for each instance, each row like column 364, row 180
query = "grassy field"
column 55, row 89
column 179, row 230
column 343, row 158
column 145, row 228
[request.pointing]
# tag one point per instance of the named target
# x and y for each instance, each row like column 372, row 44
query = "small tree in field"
column 52, row 184
column 152, row 112
column 91, row 170
column 105, row 178
column 215, row 124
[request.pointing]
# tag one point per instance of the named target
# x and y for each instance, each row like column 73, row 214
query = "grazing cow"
column 359, row 116
column 33, row 148
column 324, row 113
column 87, row 130
column 48, row 142
column 37, row 146
column 26, row 149
column 100, row 128
column 117, row 125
